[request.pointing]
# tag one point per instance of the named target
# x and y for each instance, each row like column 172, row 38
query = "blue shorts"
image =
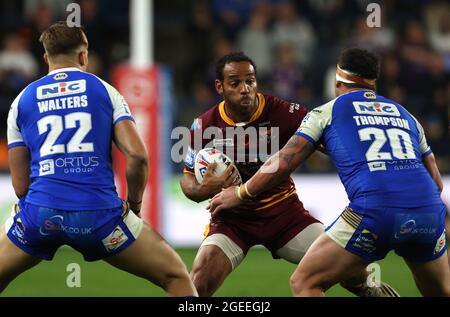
column 416, row 234
column 96, row 234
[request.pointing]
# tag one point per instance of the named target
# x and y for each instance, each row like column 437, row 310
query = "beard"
column 245, row 107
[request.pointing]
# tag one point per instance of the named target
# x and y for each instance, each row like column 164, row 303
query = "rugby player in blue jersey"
column 391, row 179
column 60, row 132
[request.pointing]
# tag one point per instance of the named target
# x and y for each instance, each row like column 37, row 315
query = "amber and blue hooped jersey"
column 66, row 120
column 377, row 147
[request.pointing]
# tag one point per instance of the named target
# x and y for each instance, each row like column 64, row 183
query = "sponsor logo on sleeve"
column 125, row 106
column 190, row 157
column 196, row 124
column 61, row 89
column 306, row 118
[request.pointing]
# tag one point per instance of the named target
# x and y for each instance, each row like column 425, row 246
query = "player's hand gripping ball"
column 205, row 157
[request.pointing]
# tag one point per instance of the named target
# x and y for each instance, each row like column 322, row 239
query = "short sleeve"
column 14, row 134
column 315, row 122
column 423, row 145
column 189, row 158
column 121, row 110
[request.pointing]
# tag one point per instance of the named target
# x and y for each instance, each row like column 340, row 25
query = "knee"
column 305, row 284
column 209, row 270
column 298, row 283
column 204, row 283
column 176, row 273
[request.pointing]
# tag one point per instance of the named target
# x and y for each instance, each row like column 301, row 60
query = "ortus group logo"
column 77, row 165
column 67, row 165
column 61, row 89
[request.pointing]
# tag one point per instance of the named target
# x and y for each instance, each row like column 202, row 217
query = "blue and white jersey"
column 377, row 147
column 66, row 120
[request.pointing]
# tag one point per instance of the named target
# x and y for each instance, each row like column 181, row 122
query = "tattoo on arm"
column 293, row 141
column 293, row 153
column 278, row 167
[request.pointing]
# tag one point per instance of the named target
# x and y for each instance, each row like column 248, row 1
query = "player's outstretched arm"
column 275, row 170
column 130, row 144
column 281, row 165
column 211, row 185
column 430, row 163
column 19, row 165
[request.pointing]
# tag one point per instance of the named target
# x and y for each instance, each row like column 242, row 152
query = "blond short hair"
column 60, row 39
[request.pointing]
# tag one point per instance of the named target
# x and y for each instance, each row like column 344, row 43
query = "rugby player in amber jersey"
column 389, row 173
column 277, row 218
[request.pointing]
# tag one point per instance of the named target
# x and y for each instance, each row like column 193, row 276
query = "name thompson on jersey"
column 376, row 137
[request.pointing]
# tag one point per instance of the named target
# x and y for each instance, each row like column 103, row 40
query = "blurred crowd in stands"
column 295, row 45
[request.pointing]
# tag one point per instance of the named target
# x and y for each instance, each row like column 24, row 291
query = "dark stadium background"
column 295, row 46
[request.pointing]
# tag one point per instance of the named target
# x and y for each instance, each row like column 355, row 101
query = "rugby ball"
column 205, row 157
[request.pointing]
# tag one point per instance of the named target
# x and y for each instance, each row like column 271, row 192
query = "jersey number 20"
column 399, row 140
column 55, row 123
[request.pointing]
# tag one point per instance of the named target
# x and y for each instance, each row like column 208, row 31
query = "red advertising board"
column 140, row 87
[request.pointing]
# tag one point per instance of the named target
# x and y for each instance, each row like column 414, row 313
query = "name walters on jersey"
column 48, row 93
column 69, row 140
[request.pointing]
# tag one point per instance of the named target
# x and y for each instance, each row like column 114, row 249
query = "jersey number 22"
column 55, row 123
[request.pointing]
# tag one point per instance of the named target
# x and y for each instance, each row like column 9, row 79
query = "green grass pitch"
column 258, row 275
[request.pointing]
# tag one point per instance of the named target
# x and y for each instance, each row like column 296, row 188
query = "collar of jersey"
column 256, row 115
column 358, row 90
column 66, row 69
